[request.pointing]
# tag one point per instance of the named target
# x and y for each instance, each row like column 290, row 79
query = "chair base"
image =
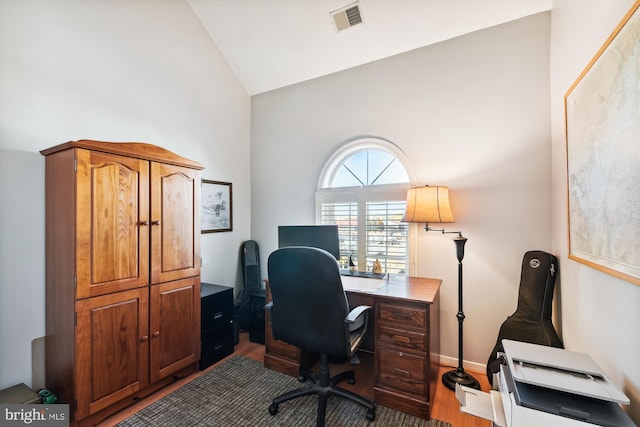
column 324, row 386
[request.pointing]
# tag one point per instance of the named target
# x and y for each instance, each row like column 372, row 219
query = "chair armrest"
column 356, row 313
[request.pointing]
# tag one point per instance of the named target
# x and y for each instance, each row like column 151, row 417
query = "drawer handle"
column 218, row 347
column 402, row 315
column 155, row 334
column 401, row 339
column 144, row 338
column 218, row 315
column 402, row 372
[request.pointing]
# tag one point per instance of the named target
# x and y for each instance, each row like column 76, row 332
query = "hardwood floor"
column 445, row 406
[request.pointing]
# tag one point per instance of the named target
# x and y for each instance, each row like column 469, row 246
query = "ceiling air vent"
column 347, row 17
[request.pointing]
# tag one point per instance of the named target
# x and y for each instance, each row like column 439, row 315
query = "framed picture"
column 603, row 156
column 217, row 206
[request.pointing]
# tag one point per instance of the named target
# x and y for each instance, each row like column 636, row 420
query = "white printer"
column 544, row 386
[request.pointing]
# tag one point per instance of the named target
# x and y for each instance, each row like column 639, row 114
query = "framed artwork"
column 217, row 206
column 603, row 156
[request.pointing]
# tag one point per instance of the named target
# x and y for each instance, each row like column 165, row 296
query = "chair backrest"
column 309, row 304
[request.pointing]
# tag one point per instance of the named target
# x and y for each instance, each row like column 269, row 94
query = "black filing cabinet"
column 216, row 336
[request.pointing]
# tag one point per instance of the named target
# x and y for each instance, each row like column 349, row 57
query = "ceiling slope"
column 276, row 43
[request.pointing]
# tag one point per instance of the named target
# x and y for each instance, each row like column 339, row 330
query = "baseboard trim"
column 469, row 366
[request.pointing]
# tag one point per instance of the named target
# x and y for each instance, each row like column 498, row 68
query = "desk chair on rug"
column 309, row 310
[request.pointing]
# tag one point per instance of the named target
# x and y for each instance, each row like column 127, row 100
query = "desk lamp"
column 431, row 204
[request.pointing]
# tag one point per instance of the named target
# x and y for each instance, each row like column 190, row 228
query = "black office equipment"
column 317, row 236
column 309, row 310
column 256, row 317
column 217, row 329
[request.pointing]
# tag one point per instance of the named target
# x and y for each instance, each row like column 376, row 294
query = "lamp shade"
column 428, row 204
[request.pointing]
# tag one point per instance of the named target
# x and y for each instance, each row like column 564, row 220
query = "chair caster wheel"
column 273, row 409
column 371, row 415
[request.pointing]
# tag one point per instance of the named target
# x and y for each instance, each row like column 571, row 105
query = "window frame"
column 362, row 194
column 332, row 165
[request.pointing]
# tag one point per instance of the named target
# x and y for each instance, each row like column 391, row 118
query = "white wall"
column 139, row 70
column 471, row 113
column 600, row 314
column 22, row 311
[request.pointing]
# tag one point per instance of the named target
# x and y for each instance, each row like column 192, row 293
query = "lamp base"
column 459, row 376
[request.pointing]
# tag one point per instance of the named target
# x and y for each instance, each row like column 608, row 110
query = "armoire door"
column 112, row 349
column 175, row 326
column 112, row 224
column 175, row 222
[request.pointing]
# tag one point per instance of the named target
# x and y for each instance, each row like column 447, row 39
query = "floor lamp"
column 431, row 204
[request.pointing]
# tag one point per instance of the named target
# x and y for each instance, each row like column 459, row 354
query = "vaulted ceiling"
column 276, row 43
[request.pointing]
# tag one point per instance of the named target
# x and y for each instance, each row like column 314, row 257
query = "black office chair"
column 309, row 310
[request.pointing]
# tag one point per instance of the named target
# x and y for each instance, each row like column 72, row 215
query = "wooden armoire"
column 122, row 273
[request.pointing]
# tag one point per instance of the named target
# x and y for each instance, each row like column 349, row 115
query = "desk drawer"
column 402, row 339
column 402, row 371
column 402, row 314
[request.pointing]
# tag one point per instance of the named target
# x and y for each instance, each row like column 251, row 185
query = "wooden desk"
column 405, row 340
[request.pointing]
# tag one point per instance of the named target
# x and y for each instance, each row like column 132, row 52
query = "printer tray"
column 582, row 408
column 560, row 369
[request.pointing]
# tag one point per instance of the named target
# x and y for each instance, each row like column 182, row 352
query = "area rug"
column 238, row 393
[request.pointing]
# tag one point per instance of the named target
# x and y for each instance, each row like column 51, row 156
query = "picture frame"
column 217, row 206
column 603, row 156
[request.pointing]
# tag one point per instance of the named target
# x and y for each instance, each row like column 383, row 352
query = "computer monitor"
column 317, row 236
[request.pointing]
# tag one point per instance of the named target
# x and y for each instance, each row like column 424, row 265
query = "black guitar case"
column 531, row 322
column 250, row 259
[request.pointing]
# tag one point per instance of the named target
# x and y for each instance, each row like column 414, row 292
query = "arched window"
column 363, row 190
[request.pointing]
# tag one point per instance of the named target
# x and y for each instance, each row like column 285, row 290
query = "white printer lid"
column 560, row 369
